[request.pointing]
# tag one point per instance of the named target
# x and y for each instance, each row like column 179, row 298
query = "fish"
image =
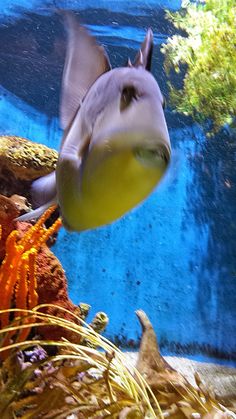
column 116, row 147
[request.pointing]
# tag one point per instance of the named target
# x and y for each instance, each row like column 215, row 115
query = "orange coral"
column 18, row 282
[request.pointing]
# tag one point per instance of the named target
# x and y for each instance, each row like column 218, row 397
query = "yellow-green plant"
column 78, row 380
column 208, row 50
column 95, row 381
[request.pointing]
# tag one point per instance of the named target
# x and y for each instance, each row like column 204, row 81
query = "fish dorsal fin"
column 85, row 62
column 144, row 56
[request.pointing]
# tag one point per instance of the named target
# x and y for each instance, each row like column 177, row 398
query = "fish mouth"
column 152, row 157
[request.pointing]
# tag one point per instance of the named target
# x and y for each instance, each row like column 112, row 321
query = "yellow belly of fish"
column 113, row 188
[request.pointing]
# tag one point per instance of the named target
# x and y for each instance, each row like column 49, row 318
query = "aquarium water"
column 174, row 255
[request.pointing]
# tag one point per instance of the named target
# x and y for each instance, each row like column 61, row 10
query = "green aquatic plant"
column 206, row 56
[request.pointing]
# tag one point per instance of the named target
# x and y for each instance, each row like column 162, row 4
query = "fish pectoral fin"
column 85, row 62
column 44, row 195
column 37, row 212
column 43, row 189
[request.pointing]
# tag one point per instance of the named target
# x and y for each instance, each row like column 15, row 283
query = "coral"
column 52, row 289
column 84, row 310
column 18, row 281
column 26, row 159
column 99, row 322
column 22, row 161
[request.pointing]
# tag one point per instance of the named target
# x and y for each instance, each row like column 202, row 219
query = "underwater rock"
column 8, row 212
column 22, row 161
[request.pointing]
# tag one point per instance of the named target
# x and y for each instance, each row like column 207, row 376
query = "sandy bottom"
column 220, row 378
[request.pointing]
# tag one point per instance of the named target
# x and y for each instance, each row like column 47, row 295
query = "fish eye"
column 151, row 157
column 128, row 94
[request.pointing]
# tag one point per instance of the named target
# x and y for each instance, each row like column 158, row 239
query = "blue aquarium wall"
column 174, row 256
column 16, row 8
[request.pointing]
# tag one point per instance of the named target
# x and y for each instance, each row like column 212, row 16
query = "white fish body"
column 116, row 146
